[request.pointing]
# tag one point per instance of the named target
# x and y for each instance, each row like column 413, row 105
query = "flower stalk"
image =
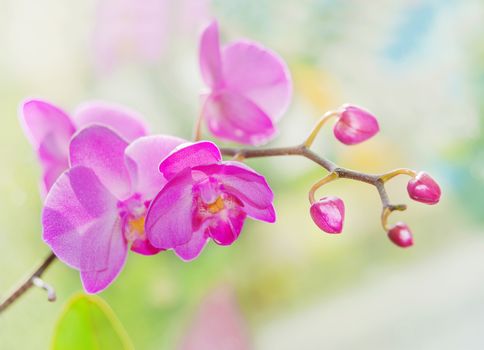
column 402, row 171
column 327, row 179
column 317, row 127
column 34, row 279
column 338, row 171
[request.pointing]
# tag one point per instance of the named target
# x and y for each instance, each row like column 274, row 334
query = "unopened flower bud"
column 329, row 213
column 424, row 189
column 401, row 235
column 355, row 125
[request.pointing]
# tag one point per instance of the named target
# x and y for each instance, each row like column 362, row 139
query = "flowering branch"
column 122, row 189
column 377, row 180
column 353, row 125
column 33, row 280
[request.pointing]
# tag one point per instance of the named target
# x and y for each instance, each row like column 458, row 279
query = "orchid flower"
column 97, row 208
column 50, row 129
column 205, row 198
column 250, row 88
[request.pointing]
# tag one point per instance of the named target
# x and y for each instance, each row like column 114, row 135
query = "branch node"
column 397, row 207
column 39, row 282
column 238, row 157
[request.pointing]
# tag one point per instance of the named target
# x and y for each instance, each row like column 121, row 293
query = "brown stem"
column 197, row 132
column 33, row 279
column 303, row 151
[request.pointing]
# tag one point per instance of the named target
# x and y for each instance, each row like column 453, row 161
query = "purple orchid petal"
column 144, row 247
column 267, row 214
column 189, row 155
column 127, row 123
column 258, row 74
column 102, row 150
column 96, row 242
column 225, row 230
column 41, row 119
column 209, row 56
column 51, row 174
column 102, row 243
column 49, row 130
column 192, row 249
column 51, row 152
column 231, row 116
column 77, row 202
column 143, row 157
column 168, row 221
column 247, row 185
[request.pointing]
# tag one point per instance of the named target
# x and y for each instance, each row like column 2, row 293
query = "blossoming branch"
column 109, row 186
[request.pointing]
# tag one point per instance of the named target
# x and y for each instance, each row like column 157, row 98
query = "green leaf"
column 88, row 322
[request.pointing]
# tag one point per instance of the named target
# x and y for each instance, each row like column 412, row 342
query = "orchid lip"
column 212, row 202
column 132, row 212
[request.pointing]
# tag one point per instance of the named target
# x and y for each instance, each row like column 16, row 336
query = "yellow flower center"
column 136, row 228
column 216, row 206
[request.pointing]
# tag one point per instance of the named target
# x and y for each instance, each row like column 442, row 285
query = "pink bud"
column 355, row 125
column 401, row 235
column 329, row 213
column 424, row 189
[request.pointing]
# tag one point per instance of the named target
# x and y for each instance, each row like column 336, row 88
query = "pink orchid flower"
column 50, row 129
column 204, row 198
column 250, row 88
column 97, row 208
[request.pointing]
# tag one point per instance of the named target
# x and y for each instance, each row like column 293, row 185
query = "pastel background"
column 417, row 65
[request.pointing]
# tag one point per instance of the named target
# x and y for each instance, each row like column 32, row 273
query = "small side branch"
column 303, row 151
column 376, row 180
column 33, row 280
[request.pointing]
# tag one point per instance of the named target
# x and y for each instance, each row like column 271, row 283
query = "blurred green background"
column 417, row 65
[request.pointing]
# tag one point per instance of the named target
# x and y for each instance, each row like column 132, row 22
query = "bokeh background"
column 418, row 65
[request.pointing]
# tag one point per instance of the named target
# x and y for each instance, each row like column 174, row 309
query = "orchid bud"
column 329, row 213
column 424, row 189
column 355, row 125
column 401, row 235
